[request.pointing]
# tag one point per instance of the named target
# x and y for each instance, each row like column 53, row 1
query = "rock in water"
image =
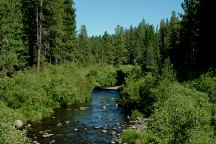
column 104, row 131
column 18, row 124
column 83, row 108
column 59, row 124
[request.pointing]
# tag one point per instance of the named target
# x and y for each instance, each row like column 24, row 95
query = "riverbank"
column 30, row 95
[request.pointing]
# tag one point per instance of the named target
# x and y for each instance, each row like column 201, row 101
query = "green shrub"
column 103, row 76
column 136, row 114
column 181, row 118
column 8, row 135
column 206, row 83
column 130, row 136
column 136, row 93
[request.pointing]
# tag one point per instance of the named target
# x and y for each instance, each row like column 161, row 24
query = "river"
column 102, row 122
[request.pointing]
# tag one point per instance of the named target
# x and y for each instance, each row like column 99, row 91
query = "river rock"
column 59, row 124
column 40, row 132
column 18, row 124
column 67, row 122
column 113, row 132
column 47, row 131
column 46, row 135
column 112, row 142
column 133, row 127
column 52, row 141
column 75, row 129
column 83, row 108
column 35, row 142
column 104, row 107
column 28, row 125
column 97, row 127
column 104, row 131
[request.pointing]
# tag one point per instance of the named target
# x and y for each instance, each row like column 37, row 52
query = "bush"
column 136, row 93
column 136, row 114
column 130, row 136
column 8, row 135
column 180, row 118
column 103, row 76
column 206, row 83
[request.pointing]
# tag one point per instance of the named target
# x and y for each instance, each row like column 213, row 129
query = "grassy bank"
column 30, row 95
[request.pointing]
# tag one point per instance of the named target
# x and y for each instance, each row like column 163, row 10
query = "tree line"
column 36, row 32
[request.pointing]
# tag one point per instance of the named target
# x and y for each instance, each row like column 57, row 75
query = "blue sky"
column 104, row 15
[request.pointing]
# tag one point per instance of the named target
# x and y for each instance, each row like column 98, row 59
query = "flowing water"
column 101, row 123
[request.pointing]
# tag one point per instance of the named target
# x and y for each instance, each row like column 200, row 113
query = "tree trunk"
column 39, row 34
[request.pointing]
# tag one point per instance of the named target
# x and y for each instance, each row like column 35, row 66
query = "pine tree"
column 30, row 28
column 106, row 52
column 96, row 44
column 69, row 20
column 131, row 44
column 54, row 20
column 11, row 46
column 120, row 46
column 84, row 51
column 164, row 39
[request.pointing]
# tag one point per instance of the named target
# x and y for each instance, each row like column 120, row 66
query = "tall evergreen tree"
column 69, row 20
column 30, row 29
column 11, row 46
column 84, row 49
column 106, row 52
column 54, row 20
column 197, row 40
column 49, row 28
column 164, row 34
column 131, row 45
column 120, row 50
column 96, row 45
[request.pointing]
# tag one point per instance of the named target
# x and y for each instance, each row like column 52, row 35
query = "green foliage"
column 32, row 95
column 103, row 76
column 179, row 113
column 206, row 83
column 184, row 116
column 84, row 53
column 33, row 92
column 136, row 114
column 11, row 45
column 120, row 50
column 168, row 74
column 137, row 92
column 8, row 135
column 130, row 136
column 181, row 117
column 106, row 51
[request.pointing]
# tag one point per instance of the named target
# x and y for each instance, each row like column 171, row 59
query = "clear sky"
column 104, row 15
